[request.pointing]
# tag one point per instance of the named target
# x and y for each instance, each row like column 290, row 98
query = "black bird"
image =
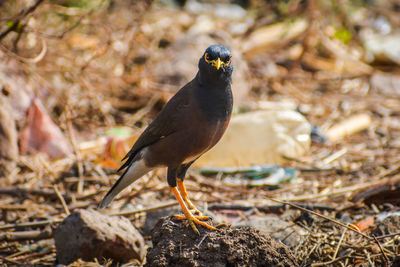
column 191, row 123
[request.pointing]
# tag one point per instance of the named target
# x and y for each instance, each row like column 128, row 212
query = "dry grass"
column 85, row 92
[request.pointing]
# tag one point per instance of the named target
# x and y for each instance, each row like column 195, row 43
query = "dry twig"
column 323, row 216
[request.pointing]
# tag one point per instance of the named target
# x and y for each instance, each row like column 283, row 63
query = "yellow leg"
column 189, row 216
column 182, row 189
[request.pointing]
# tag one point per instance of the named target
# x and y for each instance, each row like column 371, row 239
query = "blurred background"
column 316, row 119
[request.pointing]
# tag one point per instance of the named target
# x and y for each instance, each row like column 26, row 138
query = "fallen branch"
column 62, row 200
column 29, row 224
column 385, row 257
column 15, row 191
column 348, row 127
column 26, row 235
column 388, row 235
column 5, row 259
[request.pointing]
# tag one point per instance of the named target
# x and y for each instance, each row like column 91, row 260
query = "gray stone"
column 88, row 234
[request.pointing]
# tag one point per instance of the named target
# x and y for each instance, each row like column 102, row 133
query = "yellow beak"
column 217, row 63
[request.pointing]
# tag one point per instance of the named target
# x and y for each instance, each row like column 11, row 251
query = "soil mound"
column 176, row 244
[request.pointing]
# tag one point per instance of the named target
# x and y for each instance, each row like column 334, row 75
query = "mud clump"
column 176, row 244
column 89, row 234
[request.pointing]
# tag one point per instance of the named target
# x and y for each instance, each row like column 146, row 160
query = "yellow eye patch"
column 216, row 62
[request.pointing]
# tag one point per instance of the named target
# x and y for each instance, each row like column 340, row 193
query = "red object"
column 41, row 134
column 362, row 225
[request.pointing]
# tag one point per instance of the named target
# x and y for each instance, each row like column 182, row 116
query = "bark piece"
column 88, row 234
column 8, row 138
column 380, row 193
column 348, row 127
column 8, row 132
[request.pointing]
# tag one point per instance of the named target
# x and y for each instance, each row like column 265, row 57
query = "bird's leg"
column 189, row 216
column 182, row 190
column 181, row 172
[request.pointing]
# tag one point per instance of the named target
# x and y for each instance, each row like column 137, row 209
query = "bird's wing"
column 166, row 123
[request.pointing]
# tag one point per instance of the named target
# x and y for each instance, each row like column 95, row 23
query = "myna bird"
column 191, row 123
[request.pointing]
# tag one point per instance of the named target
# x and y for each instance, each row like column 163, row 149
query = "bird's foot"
column 182, row 217
column 185, row 197
column 193, row 220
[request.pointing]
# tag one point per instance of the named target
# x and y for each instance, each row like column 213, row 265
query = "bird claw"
column 193, row 220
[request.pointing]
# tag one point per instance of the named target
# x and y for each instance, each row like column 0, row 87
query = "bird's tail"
column 134, row 171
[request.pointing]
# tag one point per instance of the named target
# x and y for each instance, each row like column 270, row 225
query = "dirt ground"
column 176, row 244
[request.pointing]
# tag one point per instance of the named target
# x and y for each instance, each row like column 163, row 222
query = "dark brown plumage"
column 191, row 123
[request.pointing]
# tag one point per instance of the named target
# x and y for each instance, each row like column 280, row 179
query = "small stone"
column 88, row 234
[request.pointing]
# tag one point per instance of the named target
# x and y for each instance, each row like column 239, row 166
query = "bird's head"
column 216, row 62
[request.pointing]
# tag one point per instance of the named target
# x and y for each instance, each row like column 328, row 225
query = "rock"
column 289, row 234
column 386, row 83
column 176, row 244
column 88, row 234
column 381, row 47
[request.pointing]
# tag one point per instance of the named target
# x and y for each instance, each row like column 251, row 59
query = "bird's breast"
column 204, row 135
column 215, row 104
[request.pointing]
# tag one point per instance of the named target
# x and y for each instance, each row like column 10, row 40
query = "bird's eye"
column 207, row 57
column 227, row 60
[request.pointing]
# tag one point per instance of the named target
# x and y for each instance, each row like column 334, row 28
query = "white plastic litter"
column 260, row 137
